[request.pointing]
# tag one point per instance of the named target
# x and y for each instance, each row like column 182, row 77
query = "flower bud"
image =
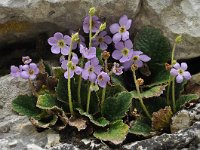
column 105, row 55
column 167, row 66
column 179, row 39
column 75, row 37
column 174, row 62
column 140, row 81
column 92, row 11
column 102, row 26
column 94, row 87
column 134, row 67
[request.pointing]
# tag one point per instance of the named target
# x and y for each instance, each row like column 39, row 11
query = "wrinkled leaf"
column 101, row 122
column 26, row 105
column 115, row 108
column 162, row 118
column 140, row 127
column 185, row 99
column 46, row 101
column 79, row 123
column 155, row 91
column 115, row 133
column 152, row 43
column 45, row 122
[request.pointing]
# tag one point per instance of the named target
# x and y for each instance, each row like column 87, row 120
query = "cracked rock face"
column 27, row 18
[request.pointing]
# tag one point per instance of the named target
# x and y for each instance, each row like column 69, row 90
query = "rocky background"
column 25, row 26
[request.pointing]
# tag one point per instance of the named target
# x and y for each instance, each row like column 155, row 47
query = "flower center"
column 135, row 58
column 31, row 72
column 61, row 43
column 100, row 77
column 91, row 69
column 122, row 29
column 100, row 40
column 125, row 51
column 180, row 71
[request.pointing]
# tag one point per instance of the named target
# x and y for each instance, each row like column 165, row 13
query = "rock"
column 64, row 147
column 187, row 138
column 53, row 140
column 22, row 19
column 34, row 147
column 174, row 18
column 16, row 132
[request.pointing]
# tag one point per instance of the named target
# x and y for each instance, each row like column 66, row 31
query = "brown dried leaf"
column 161, row 119
column 79, row 123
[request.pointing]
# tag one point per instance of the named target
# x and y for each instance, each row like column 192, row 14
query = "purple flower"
column 179, row 71
column 29, row 71
column 91, row 70
column 103, row 40
column 26, row 60
column 124, row 51
column 60, row 43
column 15, row 71
column 62, row 58
column 120, row 30
column 88, row 53
column 95, row 24
column 72, row 66
column 117, row 69
column 137, row 58
column 102, row 79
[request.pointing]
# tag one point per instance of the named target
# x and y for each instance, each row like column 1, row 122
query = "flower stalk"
column 79, row 84
column 139, row 94
column 88, row 98
column 173, row 95
column 32, row 88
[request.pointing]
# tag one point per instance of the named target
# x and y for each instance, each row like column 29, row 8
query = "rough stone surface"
column 16, row 132
column 25, row 19
column 187, row 138
column 175, row 17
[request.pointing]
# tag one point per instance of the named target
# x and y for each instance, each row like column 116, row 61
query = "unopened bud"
column 92, row 11
column 26, row 60
column 134, row 67
column 167, row 66
column 179, row 39
column 174, row 62
column 102, row 26
column 140, row 81
column 75, row 37
column 105, row 55
column 94, row 87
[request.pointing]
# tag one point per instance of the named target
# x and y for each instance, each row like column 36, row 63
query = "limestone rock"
column 175, row 17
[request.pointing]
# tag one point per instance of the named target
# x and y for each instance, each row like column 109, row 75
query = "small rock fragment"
column 53, row 140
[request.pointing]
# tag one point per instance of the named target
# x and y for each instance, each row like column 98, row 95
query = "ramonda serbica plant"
column 116, row 86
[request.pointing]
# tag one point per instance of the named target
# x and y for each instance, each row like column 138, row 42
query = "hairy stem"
column 69, row 80
column 170, row 79
column 88, row 99
column 79, row 84
column 90, row 34
column 139, row 95
column 103, row 97
column 173, row 95
column 32, row 88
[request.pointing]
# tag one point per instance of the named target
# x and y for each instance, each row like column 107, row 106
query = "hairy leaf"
column 46, row 101
column 185, row 99
column 155, row 91
column 115, row 108
column 101, row 122
column 152, row 43
column 26, row 105
column 115, row 133
column 140, row 127
column 162, row 118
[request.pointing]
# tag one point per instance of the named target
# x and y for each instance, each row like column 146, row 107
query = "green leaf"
column 162, row 119
column 152, row 43
column 46, row 101
column 155, row 91
column 101, row 122
column 118, row 80
column 115, row 108
column 185, row 99
column 116, row 133
column 140, row 127
column 45, row 122
column 26, row 105
column 62, row 94
column 57, row 72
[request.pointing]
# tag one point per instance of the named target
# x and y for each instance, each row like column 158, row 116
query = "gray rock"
column 189, row 137
column 175, row 17
column 16, row 131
